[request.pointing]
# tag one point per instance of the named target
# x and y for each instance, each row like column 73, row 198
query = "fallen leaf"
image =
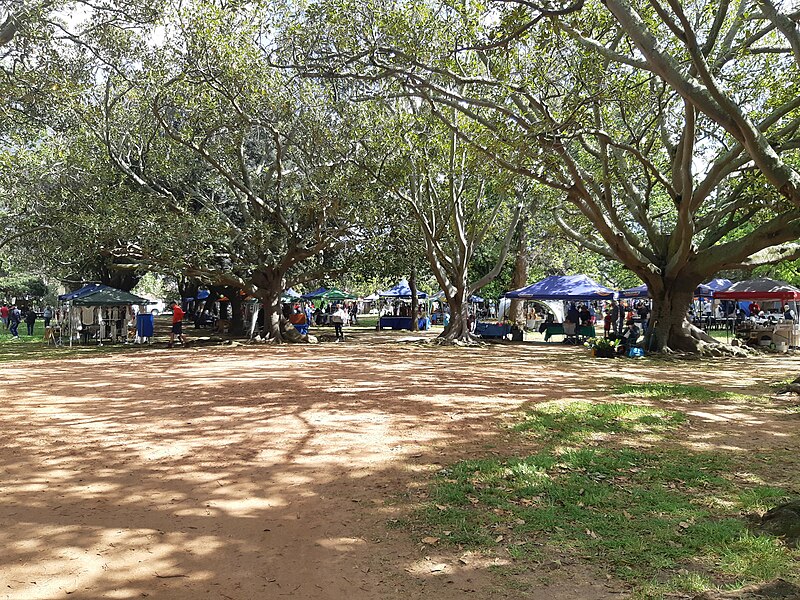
column 591, row 534
column 438, row 568
column 498, row 539
column 441, row 507
column 430, row 540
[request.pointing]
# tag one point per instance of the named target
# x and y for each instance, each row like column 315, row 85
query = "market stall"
column 100, row 312
column 703, row 307
column 769, row 327
column 398, row 298
column 565, row 288
column 330, row 295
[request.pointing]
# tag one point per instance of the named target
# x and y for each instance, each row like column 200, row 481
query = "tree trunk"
column 237, row 319
column 669, row 328
column 270, row 287
column 458, row 329
column 520, row 276
column 412, row 284
column 122, row 279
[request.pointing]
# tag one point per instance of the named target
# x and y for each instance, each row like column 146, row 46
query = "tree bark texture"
column 520, row 275
column 269, row 283
column 459, row 329
column 412, row 284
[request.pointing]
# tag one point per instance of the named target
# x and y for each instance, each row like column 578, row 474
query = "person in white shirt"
column 338, row 319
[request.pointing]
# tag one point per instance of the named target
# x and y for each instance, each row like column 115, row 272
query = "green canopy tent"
column 102, row 296
column 109, row 297
column 330, row 294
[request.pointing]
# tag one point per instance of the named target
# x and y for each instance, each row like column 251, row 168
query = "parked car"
column 156, row 307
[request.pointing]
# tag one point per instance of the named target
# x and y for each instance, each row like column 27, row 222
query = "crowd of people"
column 12, row 316
column 622, row 320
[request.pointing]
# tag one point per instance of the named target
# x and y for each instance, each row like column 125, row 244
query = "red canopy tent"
column 760, row 289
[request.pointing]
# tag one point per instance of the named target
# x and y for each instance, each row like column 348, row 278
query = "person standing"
column 354, row 314
column 47, row 315
column 338, row 318
column 4, row 315
column 788, row 313
column 14, row 318
column 615, row 311
column 177, row 325
column 30, row 319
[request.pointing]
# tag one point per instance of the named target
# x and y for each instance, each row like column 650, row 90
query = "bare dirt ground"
column 261, row 472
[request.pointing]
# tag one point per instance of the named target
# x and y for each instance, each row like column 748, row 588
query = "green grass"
column 32, row 347
column 641, row 514
column 663, row 520
column 680, row 392
column 578, row 420
column 367, row 321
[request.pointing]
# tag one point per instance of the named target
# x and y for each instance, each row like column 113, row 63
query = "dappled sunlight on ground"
column 256, row 472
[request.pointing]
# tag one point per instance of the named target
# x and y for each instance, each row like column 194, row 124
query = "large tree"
column 456, row 202
column 652, row 172
column 265, row 157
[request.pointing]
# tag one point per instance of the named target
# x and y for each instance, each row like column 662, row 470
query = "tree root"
column 791, row 388
column 694, row 340
column 468, row 339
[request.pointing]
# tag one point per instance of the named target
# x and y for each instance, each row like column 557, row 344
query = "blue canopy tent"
column 704, row 290
column 640, row 291
column 564, row 287
column 317, row 293
column 718, row 285
column 400, row 291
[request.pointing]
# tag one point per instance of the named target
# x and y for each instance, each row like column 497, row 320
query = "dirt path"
column 253, row 473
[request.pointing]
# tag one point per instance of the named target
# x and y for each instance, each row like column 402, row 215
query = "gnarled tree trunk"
column 237, row 319
column 669, row 328
column 458, row 329
column 412, row 284
column 520, row 275
column 270, row 287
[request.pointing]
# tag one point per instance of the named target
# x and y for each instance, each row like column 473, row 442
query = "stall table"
column 777, row 333
column 582, row 332
column 492, row 330
column 395, row 323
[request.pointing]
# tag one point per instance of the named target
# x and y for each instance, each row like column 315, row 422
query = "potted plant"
column 602, row 347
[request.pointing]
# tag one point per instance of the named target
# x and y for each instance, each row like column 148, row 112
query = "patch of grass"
column 761, row 499
column 668, row 391
column 666, row 521
column 640, row 513
column 781, row 383
column 32, row 348
column 682, row 583
column 569, row 422
column 681, row 392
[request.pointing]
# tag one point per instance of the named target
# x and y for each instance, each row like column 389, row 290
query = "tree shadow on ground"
column 257, row 472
